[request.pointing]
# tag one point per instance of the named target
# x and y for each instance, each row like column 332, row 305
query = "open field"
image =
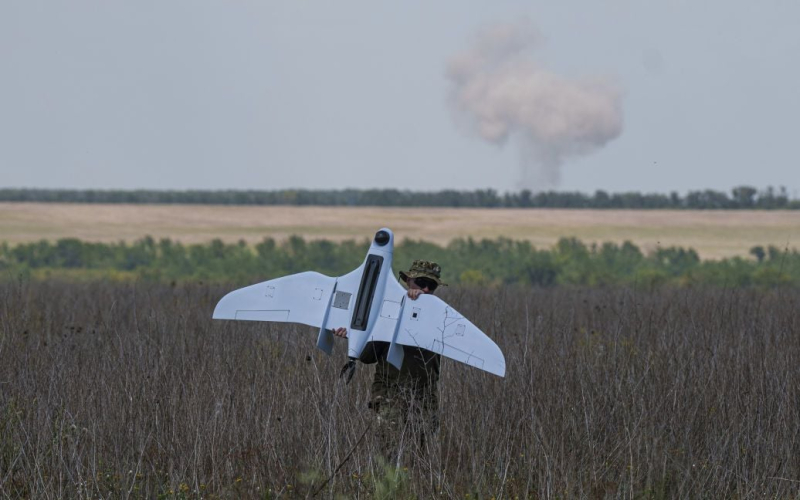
column 714, row 234
column 126, row 390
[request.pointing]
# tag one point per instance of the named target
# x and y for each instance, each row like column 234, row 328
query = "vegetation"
column 131, row 390
column 742, row 197
column 472, row 262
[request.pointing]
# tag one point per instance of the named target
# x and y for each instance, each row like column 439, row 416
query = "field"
column 130, row 390
column 714, row 234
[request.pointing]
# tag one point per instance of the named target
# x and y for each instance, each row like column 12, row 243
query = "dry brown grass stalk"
column 131, row 390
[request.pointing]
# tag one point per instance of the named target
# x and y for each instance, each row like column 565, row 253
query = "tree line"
column 483, row 262
column 742, row 197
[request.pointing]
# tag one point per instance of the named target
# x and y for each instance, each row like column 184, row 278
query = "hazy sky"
column 200, row 94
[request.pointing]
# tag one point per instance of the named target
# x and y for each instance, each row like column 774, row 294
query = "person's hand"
column 341, row 332
column 413, row 293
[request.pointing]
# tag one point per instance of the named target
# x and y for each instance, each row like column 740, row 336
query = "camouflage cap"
column 424, row 269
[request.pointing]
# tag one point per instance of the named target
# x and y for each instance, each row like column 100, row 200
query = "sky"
column 579, row 95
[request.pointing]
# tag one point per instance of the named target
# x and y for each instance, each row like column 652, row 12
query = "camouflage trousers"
column 405, row 422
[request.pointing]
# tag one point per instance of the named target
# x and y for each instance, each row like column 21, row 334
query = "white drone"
column 375, row 306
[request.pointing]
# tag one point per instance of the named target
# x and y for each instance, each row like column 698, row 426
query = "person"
column 406, row 398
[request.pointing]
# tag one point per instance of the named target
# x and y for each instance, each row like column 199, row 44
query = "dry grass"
column 132, row 391
column 714, row 234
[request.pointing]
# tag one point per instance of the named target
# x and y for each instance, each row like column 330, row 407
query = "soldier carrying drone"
column 384, row 328
column 405, row 397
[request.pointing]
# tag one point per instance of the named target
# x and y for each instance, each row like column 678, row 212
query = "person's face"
column 427, row 285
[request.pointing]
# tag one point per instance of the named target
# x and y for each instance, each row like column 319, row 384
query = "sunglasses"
column 426, row 283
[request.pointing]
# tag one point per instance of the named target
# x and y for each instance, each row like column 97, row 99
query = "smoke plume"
column 499, row 92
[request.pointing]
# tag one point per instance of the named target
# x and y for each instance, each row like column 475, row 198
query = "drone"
column 375, row 306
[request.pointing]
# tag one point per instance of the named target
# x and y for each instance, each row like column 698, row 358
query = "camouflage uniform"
column 405, row 401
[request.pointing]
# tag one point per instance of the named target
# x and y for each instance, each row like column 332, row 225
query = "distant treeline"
column 465, row 261
column 743, row 197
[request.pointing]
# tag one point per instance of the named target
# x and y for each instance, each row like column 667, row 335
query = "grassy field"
column 714, row 234
column 132, row 391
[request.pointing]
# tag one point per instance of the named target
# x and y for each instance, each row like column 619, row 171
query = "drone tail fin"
column 395, row 354
column 325, row 337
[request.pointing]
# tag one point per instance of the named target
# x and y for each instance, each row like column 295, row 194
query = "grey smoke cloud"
column 500, row 93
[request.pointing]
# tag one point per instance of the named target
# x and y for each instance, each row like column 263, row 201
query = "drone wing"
column 431, row 324
column 309, row 298
column 298, row 298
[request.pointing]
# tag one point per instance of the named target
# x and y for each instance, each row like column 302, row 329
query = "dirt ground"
column 713, row 233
